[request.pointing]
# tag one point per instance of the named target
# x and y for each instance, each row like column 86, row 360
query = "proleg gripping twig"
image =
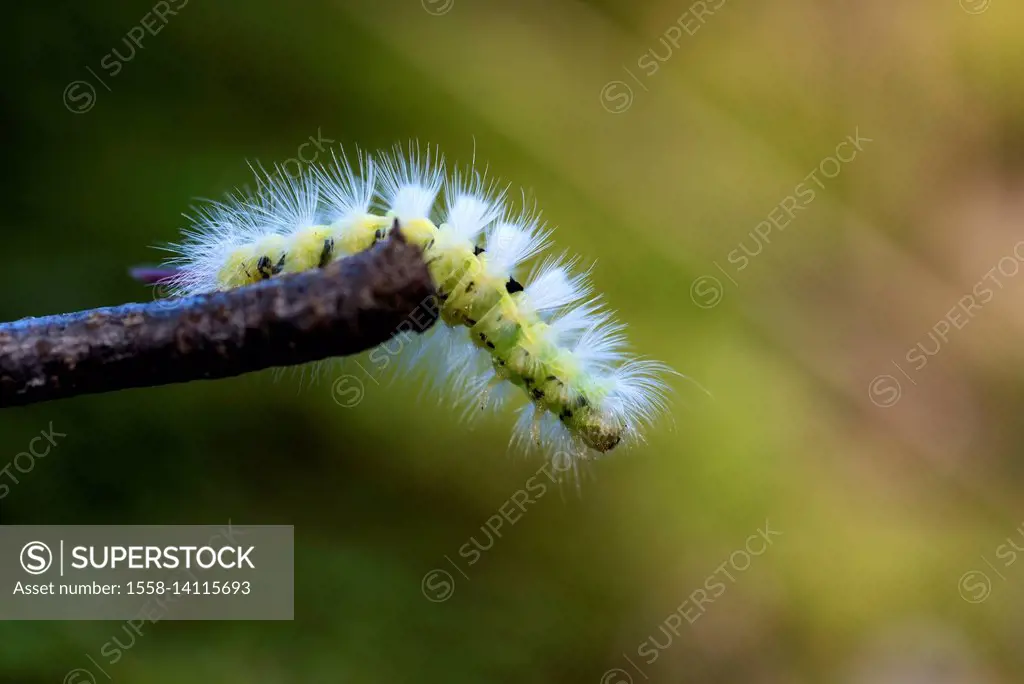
column 349, row 306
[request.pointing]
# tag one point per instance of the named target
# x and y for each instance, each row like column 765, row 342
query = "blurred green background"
column 657, row 151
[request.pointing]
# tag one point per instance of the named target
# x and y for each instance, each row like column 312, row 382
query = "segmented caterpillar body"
column 548, row 337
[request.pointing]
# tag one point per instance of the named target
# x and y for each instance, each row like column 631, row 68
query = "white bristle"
column 472, row 205
column 348, row 192
column 286, row 203
column 512, row 242
column 411, row 181
column 637, row 391
column 553, row 286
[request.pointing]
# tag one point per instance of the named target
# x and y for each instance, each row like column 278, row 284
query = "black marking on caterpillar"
column 263, row 266
column 513, row 286
column 327, row 253
column 477, row 251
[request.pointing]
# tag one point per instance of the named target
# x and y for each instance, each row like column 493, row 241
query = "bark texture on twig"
column 349, row 306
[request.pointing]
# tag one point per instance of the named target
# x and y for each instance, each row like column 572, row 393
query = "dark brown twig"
column 347, row 307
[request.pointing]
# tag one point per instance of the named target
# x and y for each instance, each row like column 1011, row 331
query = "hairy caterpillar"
column 548, row 335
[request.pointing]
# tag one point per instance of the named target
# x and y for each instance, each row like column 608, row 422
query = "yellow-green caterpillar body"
column 549, row 338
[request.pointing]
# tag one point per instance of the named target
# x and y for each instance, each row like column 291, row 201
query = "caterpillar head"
column 599, row 430
column 600, row 433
